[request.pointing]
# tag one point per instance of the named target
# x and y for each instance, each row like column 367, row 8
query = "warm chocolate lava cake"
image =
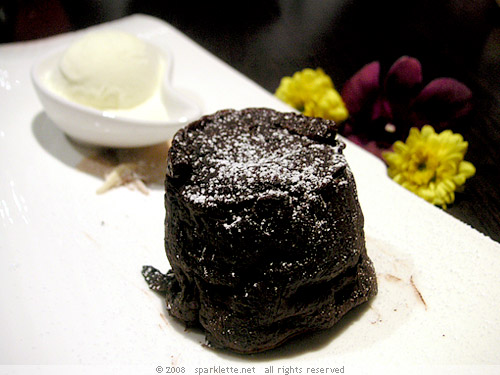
column 263, row 230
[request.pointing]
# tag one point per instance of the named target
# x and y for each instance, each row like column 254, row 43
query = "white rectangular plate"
column 70, row 272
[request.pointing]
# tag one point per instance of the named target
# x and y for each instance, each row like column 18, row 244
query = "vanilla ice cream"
column 109, row 70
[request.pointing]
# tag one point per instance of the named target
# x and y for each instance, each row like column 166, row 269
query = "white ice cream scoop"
column 109, row 69
column 116, row 97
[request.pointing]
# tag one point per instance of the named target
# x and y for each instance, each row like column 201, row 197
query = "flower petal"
column 300, row 88
column 327, row 104
column 440, row 102
column 467, row 169
column 381, row 110
column 404, row 78
column 362, row 89
column 401, row 86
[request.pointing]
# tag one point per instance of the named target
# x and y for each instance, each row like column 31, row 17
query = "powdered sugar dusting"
column 245, row 159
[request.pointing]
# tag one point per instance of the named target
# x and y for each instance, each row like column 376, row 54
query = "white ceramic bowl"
column 92, row 126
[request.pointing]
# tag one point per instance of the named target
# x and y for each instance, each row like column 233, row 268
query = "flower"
column 429, row 164
column 383, row 110
column 328, row 105
column 313, row 93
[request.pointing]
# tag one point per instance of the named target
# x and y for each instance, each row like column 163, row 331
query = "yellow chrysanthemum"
column 430, row 165
column 313, row 93
column 327, row 104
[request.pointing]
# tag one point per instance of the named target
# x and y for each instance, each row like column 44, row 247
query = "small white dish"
column 106, row 128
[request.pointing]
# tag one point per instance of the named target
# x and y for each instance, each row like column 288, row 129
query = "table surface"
column 268, row 39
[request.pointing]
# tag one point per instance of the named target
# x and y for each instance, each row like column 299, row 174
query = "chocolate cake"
column 263, row 230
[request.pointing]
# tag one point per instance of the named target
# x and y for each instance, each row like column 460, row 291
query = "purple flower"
column 383, row 110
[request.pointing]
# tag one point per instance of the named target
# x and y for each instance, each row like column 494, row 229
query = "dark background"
column 268, row 39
